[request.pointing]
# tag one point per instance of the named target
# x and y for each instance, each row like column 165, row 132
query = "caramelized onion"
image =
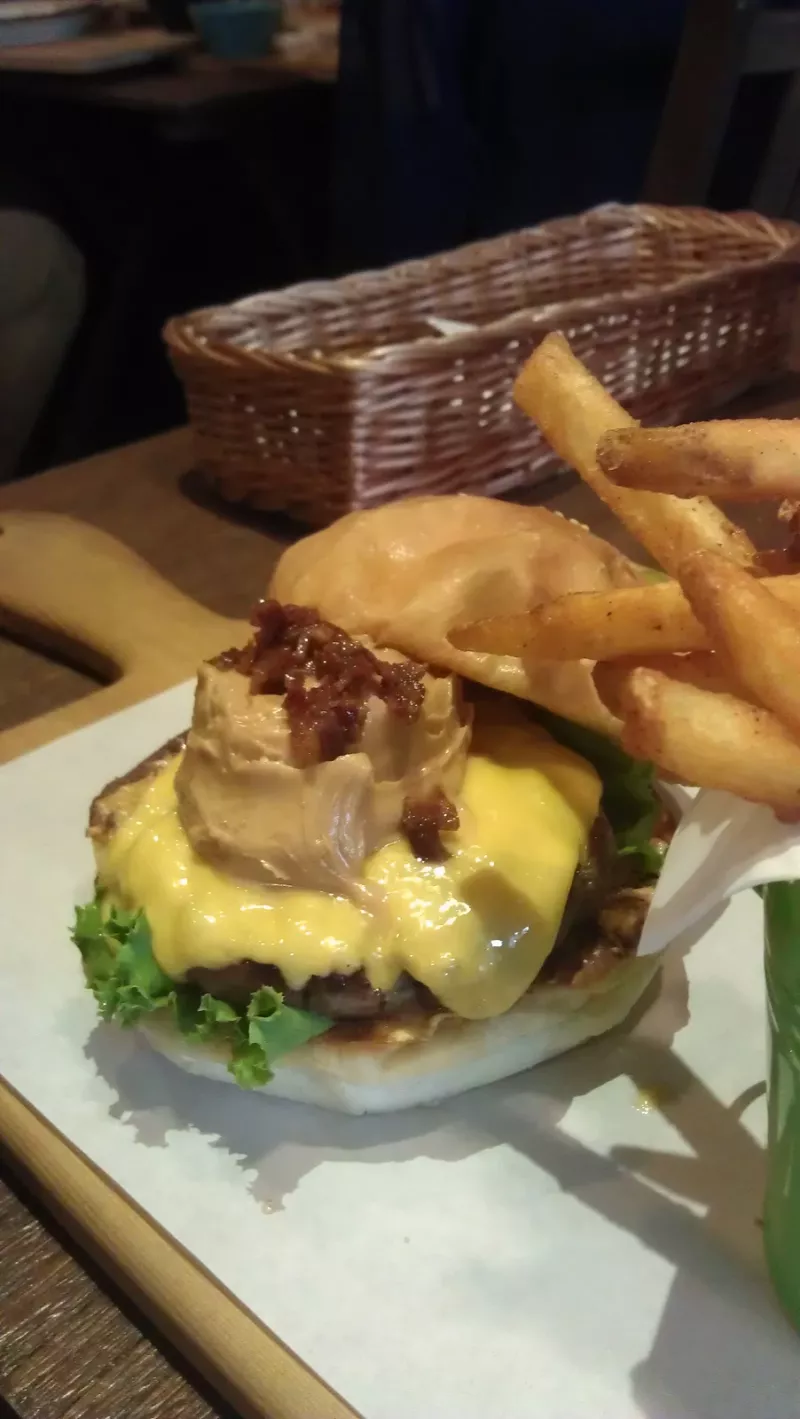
column 325, row 676
column 423, row 822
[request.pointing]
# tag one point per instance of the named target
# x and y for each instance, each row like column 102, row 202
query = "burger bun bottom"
column 460, row 1055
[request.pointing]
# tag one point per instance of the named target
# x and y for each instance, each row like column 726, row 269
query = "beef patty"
column 601, row 926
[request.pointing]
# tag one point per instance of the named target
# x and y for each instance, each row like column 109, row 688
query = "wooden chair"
column 722, row 41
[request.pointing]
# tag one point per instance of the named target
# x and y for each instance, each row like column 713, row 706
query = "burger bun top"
column 410, row 572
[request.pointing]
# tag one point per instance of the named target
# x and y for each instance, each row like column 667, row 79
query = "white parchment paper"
column 722, row 846
column 581, row 1242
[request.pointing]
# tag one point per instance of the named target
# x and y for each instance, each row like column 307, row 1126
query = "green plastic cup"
column 782, row 1201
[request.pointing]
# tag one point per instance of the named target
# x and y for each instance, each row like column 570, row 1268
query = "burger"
column 379, row 869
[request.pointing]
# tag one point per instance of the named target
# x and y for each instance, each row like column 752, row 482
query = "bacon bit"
column 325, row 676
column 424, row 819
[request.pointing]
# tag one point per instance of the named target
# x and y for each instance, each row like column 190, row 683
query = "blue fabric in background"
column 463, row 118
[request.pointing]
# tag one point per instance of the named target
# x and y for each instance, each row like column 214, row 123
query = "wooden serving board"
column 75, row 589
column 71, row 587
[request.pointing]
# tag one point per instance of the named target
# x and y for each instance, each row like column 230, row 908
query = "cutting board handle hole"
column 54, row 645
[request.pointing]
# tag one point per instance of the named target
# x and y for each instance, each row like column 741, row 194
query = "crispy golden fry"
column 595, row 625
column 701, row 668
column 711, row 740
column 757, row 634
column 605, row 625
column 743, row 460
column 574, row 411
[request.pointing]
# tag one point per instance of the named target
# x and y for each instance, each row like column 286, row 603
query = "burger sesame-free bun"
column 406, row 574
column 459, row 1055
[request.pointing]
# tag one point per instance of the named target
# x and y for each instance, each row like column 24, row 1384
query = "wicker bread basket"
column 337, row 395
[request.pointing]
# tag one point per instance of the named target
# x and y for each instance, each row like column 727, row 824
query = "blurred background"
column 161, row 156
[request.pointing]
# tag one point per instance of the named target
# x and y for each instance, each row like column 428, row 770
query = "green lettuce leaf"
column 127, row 982
column 630, row 801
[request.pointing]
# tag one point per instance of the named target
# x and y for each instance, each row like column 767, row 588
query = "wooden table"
column 197, row 96
column 71, row 1347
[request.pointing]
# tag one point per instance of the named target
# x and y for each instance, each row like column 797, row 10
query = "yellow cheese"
column 475, row 929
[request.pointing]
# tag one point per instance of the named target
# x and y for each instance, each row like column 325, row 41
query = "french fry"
column 574, row 412
column 701, row 668
column 605, row 625
column 711, row 740
column 594, row 625
column 757, row 634
column 741, row 460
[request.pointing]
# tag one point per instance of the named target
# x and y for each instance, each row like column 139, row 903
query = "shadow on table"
column 199, row 489
column 698, row 1210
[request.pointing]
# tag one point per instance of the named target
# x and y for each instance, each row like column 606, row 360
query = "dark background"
column 451, row 120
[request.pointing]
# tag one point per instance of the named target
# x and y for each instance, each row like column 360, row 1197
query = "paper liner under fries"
column 722, row 846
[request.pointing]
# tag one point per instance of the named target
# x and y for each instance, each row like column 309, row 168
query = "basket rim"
column 528, row 318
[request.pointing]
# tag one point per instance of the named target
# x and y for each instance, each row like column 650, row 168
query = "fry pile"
column 701, row 669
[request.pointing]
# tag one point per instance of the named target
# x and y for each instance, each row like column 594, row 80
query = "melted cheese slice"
column 475, row 929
